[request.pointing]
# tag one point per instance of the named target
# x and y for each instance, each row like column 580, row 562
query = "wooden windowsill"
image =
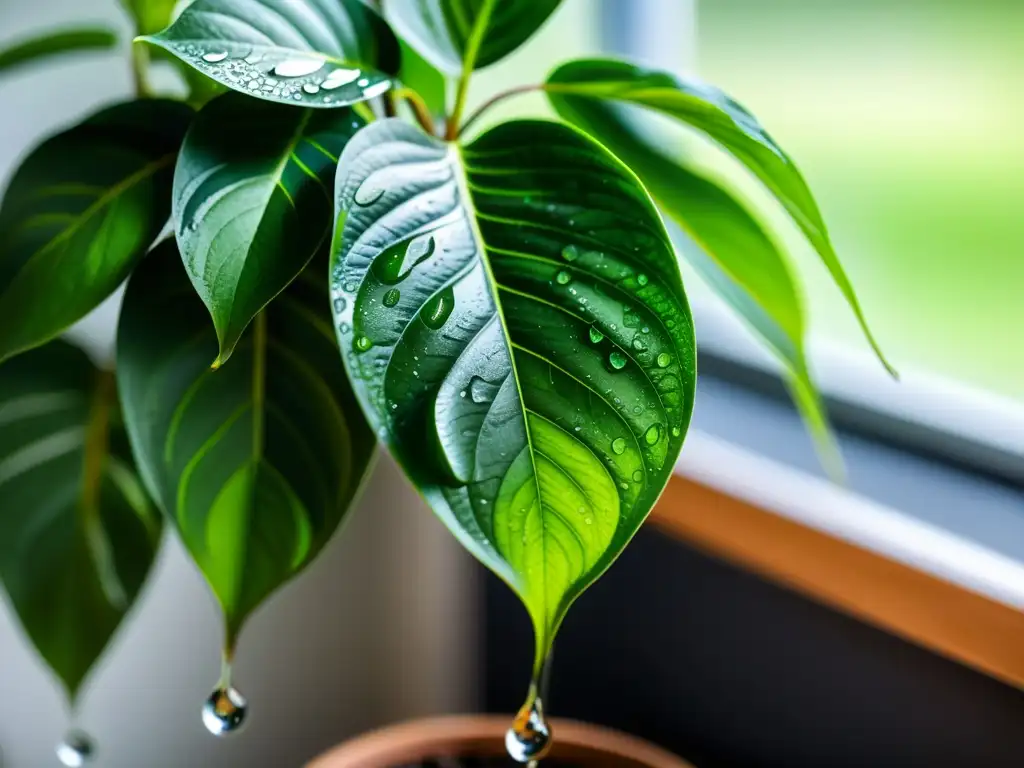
column 903, row 575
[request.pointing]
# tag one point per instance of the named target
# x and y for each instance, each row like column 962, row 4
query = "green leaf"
column 150, row 16
column 513, row 320
column 731, row 251
column 54, row 44
column 314, row 53
column 77, row 533
column 421, row 76
column 255, row 463
column 252, row 202
column 454, row 35
column 78, row 214
column 575, row 84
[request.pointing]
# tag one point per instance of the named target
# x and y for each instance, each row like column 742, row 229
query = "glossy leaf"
column 55, row 44
column 513, row 319
column 77, row 533
column 731, row 251
column 78, row 214
column 255, row 463
column 467, row 34
column 736, row 130
column 314, row 53
column 253, row 202
column 150, row 16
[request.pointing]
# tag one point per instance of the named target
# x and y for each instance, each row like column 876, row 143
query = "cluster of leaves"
column 505, row 313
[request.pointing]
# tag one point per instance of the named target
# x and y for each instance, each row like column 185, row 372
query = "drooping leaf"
column 253, row 202
column 314, row 53
column 731, row 251
column 54, row 44
column 79, row 212
column 255, row 463
column 575, row 87
column 150, row 16
column 512, row 317
column 453, row 34
column 77, row 532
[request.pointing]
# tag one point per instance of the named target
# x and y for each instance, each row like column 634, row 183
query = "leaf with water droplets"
column 534, row 442
column 587, row 92
column 313, row 53
column 255, row 463
column 447, row 32
column 78, row 214
column 78, row 534
column 252, row 202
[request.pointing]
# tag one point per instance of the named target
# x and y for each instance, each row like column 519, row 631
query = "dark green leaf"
column 253, row 202
column 314, row 53
column 77, row 533
column 255, row 463
column 514, row 322
column 78, row 214
column 467, row 34
column 576, row 86
column 150, row 16
column 731, row 251
column 56, row 44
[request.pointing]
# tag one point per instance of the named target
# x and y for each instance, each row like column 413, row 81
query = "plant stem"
column 476, row 38
column 494, row 100
column 140, row 70
column 419, row 108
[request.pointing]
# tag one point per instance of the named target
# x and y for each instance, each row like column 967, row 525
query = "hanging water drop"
column 298, row 67
column 215, row 57
column 529, row 738
column 617, row 360
column 391, row 297
column 76, row 749
column 224, row 712
column 664, row 359
column 619, row 446
column 595, row 335
column 563, row 278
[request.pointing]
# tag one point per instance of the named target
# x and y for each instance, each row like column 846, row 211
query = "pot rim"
column 483, row 735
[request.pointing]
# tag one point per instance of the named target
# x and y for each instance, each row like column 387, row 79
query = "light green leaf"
column 513, row 320
column 54, row 44
column 150, row 16
column 313, row 53
column 78, row 214
column 77, row 533
column 421, row 76
column 252, row 202
column 467, row 34
column 730, row 250
column 575, row 87
column 256, row 463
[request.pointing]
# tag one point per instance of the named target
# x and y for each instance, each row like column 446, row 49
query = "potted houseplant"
column 352, row 260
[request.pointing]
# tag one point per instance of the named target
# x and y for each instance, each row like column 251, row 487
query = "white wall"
column 376, row 630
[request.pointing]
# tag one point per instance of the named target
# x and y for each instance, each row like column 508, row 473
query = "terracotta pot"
column 588, row 746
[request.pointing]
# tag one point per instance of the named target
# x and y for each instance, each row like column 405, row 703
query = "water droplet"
column 638, row 475
column 339, row 77
column 339, row 305
column 363, row 82
column 368, row 193
column 363, row 343
column 391, row 297
column 563, row 278
column 641, row 279
column 482, row 391
column 619, row 446
column 653, row 434
column 529, row 738
column 437, row 312
column 376, row 89
column 645, row 329
column 215, row 57
column 311, row 88
column 624, row 486
column 638, row 344
column 676, row 431
column 664, row 359
column 617, row 360
column 570, row 253
column 396, row 263
column 595, row 335
column 224, row 711
column 76, row 749
column 298, row 67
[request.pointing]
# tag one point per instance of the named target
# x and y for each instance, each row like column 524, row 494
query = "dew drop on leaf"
column 311, row 88
column 638, row 344
column 653, row 434
column 570, row 253
column 437, row 312
column 641, row 279
column 664, row 359
column 339, row 77
column 298, row 67
column 617, row 360
column 363, row 343
column 482, row 391
column 215, row 57
column 638, row 475
column 595, row 335
column 619, row 446
column 369, row 192
column 391, row 297
column 563, row 278
column 377, row 89
column 676, row 431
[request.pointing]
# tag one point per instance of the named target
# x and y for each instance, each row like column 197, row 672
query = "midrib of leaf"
column 462, row 183
column 108, row 196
